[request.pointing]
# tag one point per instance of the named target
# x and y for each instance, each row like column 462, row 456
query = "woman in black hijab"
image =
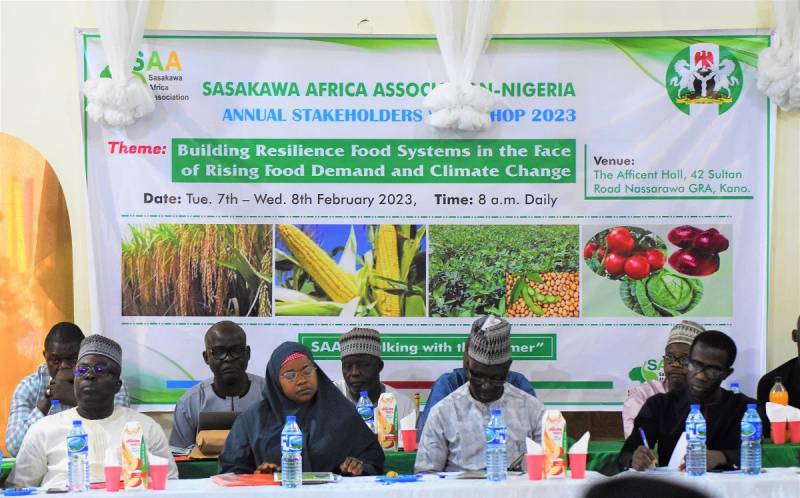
column 335, row 438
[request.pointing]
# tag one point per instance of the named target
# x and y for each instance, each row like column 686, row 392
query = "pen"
column 644, row 440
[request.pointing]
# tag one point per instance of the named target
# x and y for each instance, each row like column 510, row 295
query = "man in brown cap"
column 360, row 349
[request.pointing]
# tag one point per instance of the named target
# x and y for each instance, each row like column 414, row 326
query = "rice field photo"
column 197, row 270
column 350, row 270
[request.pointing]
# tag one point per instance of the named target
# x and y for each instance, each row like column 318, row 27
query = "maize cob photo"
column 350, row 270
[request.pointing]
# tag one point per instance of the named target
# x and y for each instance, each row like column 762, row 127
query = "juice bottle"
column 778, row 393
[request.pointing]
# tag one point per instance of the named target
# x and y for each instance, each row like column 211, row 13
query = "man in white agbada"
column 453, row 438
column 42, row 458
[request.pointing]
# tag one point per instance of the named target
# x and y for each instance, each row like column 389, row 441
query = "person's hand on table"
column 267, row 468
column 352, row 466
column 715, row 458
column 643, row 459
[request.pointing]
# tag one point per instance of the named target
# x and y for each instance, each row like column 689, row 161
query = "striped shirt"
column 24, row 412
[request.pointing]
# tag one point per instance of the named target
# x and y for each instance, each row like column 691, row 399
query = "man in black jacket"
column 663, row 416
column 789, row 374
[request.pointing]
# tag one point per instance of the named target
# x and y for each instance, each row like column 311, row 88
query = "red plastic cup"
column 535, row 464
column 158, row 476
column 577, row 465
column 794, row 432
column 112, row 473
column 409, row 439
column 778, row 431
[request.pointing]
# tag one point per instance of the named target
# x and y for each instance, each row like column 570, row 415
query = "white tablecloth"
column 774, row 483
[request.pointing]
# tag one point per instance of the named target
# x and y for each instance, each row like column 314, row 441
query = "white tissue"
column 581, row 446
column 679, row 453
column 532, row 447
column 408, row 422
column 776, row 412
column 792, row 413
column 490, row 322
column 156, row 460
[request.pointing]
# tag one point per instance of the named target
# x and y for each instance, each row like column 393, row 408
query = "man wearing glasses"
column 663, row 416
column 231, row 389
column 52, row 381
column 676, row 359
column 42, row 458
column 453, row 438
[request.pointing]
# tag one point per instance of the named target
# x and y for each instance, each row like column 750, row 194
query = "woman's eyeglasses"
column 306, row 372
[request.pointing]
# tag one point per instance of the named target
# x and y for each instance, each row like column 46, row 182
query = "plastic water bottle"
column 366, row 410
column 291, row 454
column 496, row 459
column 77, row 458
column 750, row 456
column 55, row 407
column 696, row 439
column 735, row 388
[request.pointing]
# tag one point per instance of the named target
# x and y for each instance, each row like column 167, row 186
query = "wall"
column 40, row 104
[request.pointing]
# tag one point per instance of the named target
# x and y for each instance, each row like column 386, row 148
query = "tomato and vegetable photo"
column 625, row 252
column 698, row 255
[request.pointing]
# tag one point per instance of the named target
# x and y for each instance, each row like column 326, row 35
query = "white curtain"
column 779, row 65
column 463, row 31
column 122, row 99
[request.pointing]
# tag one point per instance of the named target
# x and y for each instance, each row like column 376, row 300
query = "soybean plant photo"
column 519, row 271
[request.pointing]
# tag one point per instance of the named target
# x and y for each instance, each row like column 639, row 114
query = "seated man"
column 230, row 389
column 676, row 357
column 663, row 416
column 453, row 438
column 789, row 373
column 450, row 381
column 42, row 459
column 361, row 368
column 53, row 380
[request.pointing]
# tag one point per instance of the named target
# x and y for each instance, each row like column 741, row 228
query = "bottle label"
column 367, row 412
column 696, row 431
column 76, row 444
column 751, row 431
column 292, row 442
column 495, row 435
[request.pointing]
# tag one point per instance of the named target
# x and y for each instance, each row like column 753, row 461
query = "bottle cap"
column 751, row 406
column 694, row 407
column 290, row 419
column 778, row 379
column 734, row 385
column 365, row 394
column 55, row 402
column 76, row 423
column 496, row 411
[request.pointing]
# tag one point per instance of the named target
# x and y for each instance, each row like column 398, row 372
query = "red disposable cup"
column 409, row 439
column 158, row 476
column 577, row 465
column 535, row 464
column 778, row 431
column 794, row 432
column 112, row 473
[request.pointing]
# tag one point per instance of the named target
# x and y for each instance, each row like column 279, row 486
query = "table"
column 602, row 458
column 774, row 483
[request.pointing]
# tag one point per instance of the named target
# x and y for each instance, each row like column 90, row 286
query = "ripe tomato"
column 637, row 267
column 601, row 253
column 620, row 240
column 590, row 248
column 656, row 258
column 615, row 264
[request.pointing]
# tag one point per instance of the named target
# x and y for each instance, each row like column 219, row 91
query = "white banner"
column 291, row 184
